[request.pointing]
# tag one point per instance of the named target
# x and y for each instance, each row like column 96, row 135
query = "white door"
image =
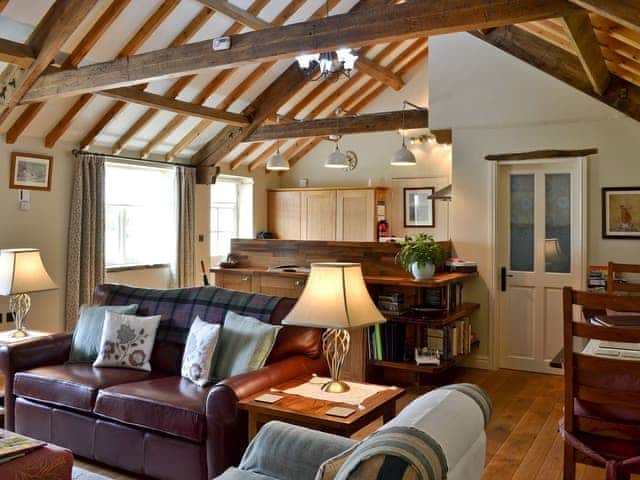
column 539, row 251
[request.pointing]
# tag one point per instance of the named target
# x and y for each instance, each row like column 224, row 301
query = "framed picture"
column 30, row 171
column 418, row 207
column 621, row 212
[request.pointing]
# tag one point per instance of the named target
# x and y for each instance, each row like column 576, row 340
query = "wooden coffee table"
column 310, row 413
column 49, row 461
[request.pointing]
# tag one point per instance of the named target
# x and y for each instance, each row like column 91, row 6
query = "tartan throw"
column 179, row 307
column 405, row 453
column 477, row 394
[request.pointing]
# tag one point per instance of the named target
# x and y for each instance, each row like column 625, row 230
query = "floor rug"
column 82, row 474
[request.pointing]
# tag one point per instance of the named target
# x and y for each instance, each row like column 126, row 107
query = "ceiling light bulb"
column 347, row 58
column 403, row 157
column 304, row 61
column 278, row 162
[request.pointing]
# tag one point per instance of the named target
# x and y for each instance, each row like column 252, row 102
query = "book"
column 12, row 444
column 378, row 338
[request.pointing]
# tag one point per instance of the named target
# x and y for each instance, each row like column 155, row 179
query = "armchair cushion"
column 74, row 386
column 289, row 452
column 170, row 405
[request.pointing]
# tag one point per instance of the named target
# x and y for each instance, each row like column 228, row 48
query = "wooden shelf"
column 438, row 280
column 461, row 311
column 412, row 367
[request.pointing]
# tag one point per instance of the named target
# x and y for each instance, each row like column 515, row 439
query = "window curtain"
column 85, row 254
column 186, row 238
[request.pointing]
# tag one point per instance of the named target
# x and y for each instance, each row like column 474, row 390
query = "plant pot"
column 422, row 272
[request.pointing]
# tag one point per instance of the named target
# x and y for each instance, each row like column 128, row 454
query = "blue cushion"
column 88, row 333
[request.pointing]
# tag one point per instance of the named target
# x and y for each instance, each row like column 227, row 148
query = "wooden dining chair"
column 601, row 424
column 614, row 283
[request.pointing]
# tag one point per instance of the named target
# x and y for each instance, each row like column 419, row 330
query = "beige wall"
column 497, row 104
column 374, row 154
column 44, row 227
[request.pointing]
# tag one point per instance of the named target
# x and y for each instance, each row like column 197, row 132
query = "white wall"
column 497, row 104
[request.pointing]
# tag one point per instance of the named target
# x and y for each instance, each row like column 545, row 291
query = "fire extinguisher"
column 383, row 229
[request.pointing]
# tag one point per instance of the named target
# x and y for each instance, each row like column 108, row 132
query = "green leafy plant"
column 420, row 249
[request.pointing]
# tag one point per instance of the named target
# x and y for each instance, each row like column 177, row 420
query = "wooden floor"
column 523, row 442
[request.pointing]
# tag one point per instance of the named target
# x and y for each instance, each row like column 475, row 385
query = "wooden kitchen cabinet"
column 342, row 214
column 318, row 215
column 241, row 281
column 281, row 286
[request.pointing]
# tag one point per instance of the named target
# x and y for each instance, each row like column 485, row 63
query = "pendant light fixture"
column 337, row 159
column 277, row 162
column 403, row 156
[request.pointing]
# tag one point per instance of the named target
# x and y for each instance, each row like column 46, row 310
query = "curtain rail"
column 77, row 153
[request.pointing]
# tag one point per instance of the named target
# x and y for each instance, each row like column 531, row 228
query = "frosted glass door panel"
column 522, row 222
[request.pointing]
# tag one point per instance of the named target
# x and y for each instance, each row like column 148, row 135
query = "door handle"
column 503, row 279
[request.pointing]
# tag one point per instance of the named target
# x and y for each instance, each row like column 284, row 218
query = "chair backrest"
column 614, row 275
column 602, row 394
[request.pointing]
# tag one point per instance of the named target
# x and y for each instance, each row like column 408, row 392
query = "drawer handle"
column 299, row 283
column 246, row 279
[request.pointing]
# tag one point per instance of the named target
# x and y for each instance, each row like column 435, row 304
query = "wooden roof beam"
column 380, row 73
column 235, row 13
column 73, row 60
column 134, row 43
column 60, row 21
column 625, row 12
column 16, row 53
column 621, row 95
column 140, row 97
column 412, row 19
column 581, row 32
column 374, row 122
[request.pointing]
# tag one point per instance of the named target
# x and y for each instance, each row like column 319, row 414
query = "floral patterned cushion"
column 198, row 352
column 127, row 341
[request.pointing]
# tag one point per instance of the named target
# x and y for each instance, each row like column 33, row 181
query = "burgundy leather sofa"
column 152, row 423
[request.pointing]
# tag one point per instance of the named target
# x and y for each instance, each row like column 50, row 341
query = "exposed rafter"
column 60, row 21
column 624, row 12
column 238, row 14
column 415, row 18
column 16, row 53
column 581, row 32
column 373, row 122
column 621, row 94
column 3, row 3
column 73, row 60
column 380, row 73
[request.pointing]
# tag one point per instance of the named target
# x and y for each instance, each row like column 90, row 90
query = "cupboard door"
column 318, row 215
column 284, row 215
column 356, row 216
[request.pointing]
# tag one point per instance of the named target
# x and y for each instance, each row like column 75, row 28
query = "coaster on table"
column 340, row 412
column 268, row 398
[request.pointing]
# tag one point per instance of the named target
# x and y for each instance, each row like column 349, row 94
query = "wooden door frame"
column 495, row 323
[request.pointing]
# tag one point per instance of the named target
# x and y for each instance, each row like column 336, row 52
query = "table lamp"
column 21, row 273
column 336, row 298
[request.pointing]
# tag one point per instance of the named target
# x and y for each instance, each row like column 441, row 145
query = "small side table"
column 310, row 413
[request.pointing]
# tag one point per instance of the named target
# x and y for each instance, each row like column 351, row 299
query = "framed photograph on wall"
column 30, row 171
column 621, row 212
column 418, row 207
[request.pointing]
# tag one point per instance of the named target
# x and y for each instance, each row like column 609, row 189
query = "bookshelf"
column 430, row 314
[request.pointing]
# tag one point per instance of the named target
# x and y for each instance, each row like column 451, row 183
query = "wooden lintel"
column 412, row 19
column 374, row 122
column 134, row 95
column 540, row 154
column 621, row 95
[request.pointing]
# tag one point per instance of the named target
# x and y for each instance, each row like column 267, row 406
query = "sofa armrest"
column 227, row 434
column 289, row 452
column 41, row 351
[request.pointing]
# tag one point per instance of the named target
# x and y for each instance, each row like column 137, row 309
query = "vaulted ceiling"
column 101, row 73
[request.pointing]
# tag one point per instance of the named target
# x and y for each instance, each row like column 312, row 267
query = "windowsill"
column 126, row 268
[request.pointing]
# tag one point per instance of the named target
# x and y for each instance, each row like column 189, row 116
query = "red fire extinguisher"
column 383, row 229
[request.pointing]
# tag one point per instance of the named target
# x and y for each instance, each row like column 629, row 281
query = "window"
column 140, row 215
column 231, row 213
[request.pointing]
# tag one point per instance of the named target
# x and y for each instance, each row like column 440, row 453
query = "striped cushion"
column 477, row 395
column 180, row 306
column 403, row 453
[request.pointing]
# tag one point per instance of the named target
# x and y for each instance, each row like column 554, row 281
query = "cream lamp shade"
column 22, row 271
column 335, row 296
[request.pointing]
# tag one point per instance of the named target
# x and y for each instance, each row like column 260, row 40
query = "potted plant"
column 420, row 255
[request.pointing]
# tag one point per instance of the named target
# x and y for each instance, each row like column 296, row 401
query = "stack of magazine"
column 14, row 446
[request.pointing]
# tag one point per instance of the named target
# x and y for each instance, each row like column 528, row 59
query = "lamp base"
column 19, row 334
column 335, row 386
